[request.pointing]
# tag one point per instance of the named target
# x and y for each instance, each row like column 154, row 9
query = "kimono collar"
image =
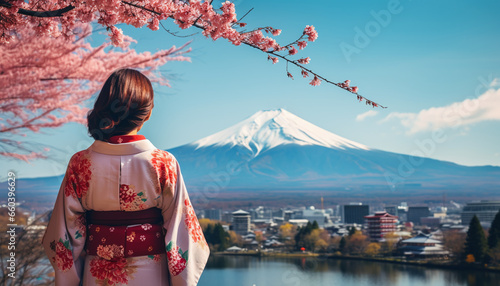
column 125, row 138
column 125, row 148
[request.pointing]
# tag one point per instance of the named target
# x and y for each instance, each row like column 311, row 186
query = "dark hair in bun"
column 123, row 104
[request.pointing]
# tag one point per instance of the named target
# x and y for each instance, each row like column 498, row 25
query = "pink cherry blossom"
column 304, row 61
column 311, row 33
column 302, row 44
column 292, row 51
column 64, row 74
column 315, row 82
column 276, row 32
column 304, row 73
column 274, row 59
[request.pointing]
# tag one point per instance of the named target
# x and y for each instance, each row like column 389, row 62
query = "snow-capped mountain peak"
column 270, row 128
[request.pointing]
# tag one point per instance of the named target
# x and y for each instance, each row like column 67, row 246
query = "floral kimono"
column 128, row 176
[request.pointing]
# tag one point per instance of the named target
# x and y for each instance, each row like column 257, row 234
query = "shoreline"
column 441, row 264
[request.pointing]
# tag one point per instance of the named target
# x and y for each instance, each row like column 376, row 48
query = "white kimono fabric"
column 124, row 177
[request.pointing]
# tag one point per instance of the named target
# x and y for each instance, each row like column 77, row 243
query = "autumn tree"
column 317, row 240
column 372, row 249
column 389, row 244
column 454, row 242
column 357, row 243
column 301, row 235
column 235, row 239
column 475, row 242
column 287, row 230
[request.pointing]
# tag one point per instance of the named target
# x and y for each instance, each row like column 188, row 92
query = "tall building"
column 213, row 214
column 241, row 222
column 416, row 213
column 355, row 213
column 484, row 210
column 380, row 224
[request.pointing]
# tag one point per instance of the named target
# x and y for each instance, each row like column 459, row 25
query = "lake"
column 261, row 271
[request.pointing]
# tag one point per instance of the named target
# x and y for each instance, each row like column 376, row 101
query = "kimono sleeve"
column 64, row 238
column 187, row 249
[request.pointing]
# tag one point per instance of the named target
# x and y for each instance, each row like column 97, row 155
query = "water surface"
column 259, row 271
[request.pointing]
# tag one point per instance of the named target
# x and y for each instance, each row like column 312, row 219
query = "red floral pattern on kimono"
column 130, row 200
column 177, row 259
column 110, row 272
column 81, row 226
column 78, row 175
column 165, row 166
column 64, row 256
column 195, row 231
column 124, row 177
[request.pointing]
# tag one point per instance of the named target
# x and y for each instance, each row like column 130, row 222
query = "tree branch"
column 274, row 53
column 40, row 14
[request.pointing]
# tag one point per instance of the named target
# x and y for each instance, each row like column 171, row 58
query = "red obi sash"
column 115, row 234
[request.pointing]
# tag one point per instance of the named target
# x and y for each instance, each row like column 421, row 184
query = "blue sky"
column 435, row 64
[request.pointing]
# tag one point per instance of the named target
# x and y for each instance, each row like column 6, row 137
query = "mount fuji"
column 277, row 153
column 277, row 150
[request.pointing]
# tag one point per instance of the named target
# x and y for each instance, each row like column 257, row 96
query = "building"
column 312, row 214
column 484, row 210
column 416, row 213
column 241, row 222
column 430, row 221
column 422, row 245
column 380, row 224
column 213, row 214
column 355, row 213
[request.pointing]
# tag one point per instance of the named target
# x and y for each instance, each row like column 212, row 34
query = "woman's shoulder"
column 80, row 156
column 162, row 157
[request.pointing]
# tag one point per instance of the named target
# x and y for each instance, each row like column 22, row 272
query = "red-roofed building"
column 380, row 224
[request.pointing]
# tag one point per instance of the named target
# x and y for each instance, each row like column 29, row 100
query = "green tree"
column 217, row 237
column 315, row 225
column 494, row 234
column 475, row 242
column 342, row 244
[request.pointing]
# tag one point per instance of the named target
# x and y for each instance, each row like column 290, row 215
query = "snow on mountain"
column 275, row 149
column 270, row 128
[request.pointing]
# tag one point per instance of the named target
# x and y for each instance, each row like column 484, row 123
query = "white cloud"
column 495, row 82
column 470, row 111
column 364, row 115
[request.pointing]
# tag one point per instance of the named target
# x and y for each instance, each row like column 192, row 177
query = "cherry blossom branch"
column 49, row 90
column 40, row 14
column 309, row 32
column 214, row 23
